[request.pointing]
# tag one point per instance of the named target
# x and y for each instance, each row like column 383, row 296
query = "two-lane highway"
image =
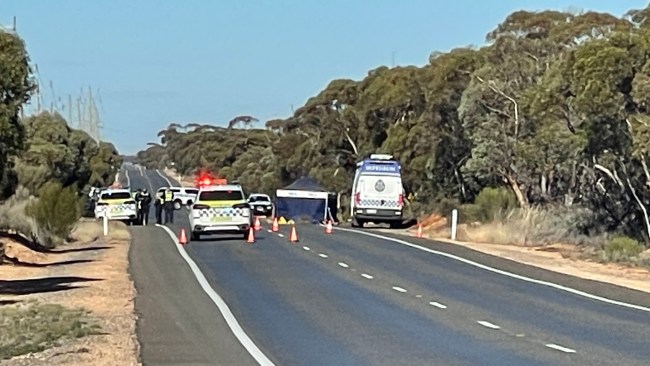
column 348, row 298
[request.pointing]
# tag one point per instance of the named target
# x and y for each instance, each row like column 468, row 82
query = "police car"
column 220, row 209
column 116, row 204
column 183, row 196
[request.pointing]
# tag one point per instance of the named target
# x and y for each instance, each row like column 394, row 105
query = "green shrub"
column 490, row 204
column 56, row 210
column 622, row 248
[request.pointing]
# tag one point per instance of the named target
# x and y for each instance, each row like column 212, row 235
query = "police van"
column 116, row 204
column 220, row 209
column 377, row 191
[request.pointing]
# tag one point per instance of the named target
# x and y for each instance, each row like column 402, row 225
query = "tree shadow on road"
column 42, row 285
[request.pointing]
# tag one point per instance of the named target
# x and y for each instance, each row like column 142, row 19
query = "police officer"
column 138, row 204
column 169, row 206
column 158, row 204
column 145, row 204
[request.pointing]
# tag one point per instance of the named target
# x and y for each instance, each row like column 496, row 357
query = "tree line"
column 554, row 108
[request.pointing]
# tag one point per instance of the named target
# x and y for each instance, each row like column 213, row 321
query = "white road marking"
column 560, row 348
column 169, row 183
column 504, row 273
column 322, row 255
column 488, row 324
column 399, row 289
column 128, row 180
column 269, row 230
column 438, row 305
column 418, row 296
column 281, row 235
column 343, row 265
column 364, row 275
column 306, row 248
column 232, row 322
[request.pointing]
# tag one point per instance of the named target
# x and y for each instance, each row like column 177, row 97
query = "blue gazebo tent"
column 304, row 198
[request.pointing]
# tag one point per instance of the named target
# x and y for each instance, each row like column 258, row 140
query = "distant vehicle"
column 220, row 209
column 116, row 204
column 183, row 196
column 261, row 204
column 377, row 191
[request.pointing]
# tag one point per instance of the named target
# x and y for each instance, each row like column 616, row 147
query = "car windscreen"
column 116, row 196
column 259, row 199
column 221, row 196
column 192, row 191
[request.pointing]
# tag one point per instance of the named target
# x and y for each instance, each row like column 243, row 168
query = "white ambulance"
column 220, row 209
column 377, row 191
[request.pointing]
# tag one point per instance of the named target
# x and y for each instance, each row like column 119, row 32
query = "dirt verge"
column 89, row 275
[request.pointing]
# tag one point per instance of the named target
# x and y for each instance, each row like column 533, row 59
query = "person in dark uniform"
column 145, row 205
column 169, row 206
column 138, row 205
column 160, row 201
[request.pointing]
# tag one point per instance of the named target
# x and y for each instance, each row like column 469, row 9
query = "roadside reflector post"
column 105, row 223
column 454, row 223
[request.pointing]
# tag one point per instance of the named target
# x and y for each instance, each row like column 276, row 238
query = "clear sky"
column 156, row 62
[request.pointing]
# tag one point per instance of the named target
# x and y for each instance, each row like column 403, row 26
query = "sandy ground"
column 559, row 258
column 110, row 298
column 186, row 181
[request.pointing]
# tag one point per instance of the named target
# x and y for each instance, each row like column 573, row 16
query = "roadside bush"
column 15, row 220
column 491, row 203
column 621, row 248
column 56, row 210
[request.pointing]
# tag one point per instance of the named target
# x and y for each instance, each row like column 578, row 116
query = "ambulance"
column 377, row 191
column 116, row 204
column 220, row 209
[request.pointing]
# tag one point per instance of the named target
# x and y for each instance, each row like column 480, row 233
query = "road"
column 351, row 298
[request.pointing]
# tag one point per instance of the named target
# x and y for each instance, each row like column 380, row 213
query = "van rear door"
column 380, row 191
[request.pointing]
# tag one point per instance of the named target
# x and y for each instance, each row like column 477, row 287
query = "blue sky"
column 157, row 62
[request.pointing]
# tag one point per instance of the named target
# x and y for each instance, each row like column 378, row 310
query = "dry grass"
column 13, row 219
column 33, row 327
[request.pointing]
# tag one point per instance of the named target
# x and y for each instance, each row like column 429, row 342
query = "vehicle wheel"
column 194, row 236
column 189, row 204
column 177, row 205
column 357, row 223
column 245, row 235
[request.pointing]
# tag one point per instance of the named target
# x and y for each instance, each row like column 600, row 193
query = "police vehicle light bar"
column 381, row 157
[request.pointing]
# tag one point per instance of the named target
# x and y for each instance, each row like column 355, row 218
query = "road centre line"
column 438, row 305
column 502, row 272
column 281, row 235
column 364, row 275
column 232, row 322
column 399, row 289
column 560, row 348
column 343, row 265
column 488, row 324
column 306, row 248
column 322, row 255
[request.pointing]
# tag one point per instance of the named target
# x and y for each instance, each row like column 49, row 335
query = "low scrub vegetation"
column 14, row 220
column 33, row 327
column 57, row 209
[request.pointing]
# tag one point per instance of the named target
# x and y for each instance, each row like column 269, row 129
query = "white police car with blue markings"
column 220, row 209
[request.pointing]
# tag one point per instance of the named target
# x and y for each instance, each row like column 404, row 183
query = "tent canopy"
column 304, row 198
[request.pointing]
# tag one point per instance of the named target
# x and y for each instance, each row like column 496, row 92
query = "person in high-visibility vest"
column 160, row 201
column 169, row 206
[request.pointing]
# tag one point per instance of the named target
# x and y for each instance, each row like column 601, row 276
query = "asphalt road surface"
column 351, row 298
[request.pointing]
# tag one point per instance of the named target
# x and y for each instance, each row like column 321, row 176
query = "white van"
column 377, row 191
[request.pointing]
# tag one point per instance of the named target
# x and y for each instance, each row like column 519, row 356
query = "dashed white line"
column 418, row 296
column 365, row 275
column 322, row 255
column 269, row 230
column 399, row 289
column 306, row 248
column 488, row 324
column 343, row 265
column 281, row 235
column 438, row 305
column 560, row 348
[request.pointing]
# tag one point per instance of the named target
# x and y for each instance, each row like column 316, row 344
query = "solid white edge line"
column 488, row 324
column 169, row 183
column 560, row 348
column 438, row 305
column 343, row 265
column 128, row 179
column 232, row 322
column 505, row 273
column 399, row 289
column 364, row 275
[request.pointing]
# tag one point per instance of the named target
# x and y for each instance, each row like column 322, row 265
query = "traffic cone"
column 328, row 227
column 258, row 226
column 251, row 236
column 419, row 230
column 182, row 238
column 276, row 227
column 294, row 235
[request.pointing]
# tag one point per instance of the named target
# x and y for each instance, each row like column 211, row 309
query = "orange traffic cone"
column 294, row 235
column 258, row 226
column 419, row 230
column 328, row 227
column 182, row 238
column 251, row 236
column 276, row 227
